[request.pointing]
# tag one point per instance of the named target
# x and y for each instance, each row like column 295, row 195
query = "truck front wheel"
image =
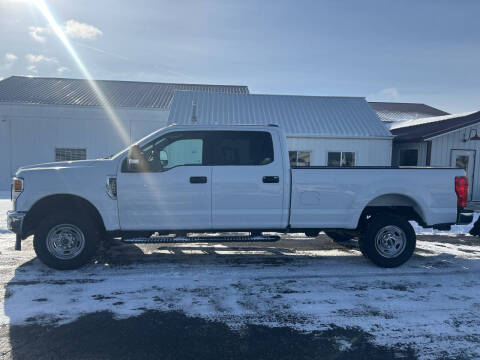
column 66, row 241
column 388, row 241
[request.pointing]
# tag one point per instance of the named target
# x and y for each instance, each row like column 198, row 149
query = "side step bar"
column 197, row 239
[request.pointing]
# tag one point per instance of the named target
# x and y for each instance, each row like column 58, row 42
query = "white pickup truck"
column 202, row 179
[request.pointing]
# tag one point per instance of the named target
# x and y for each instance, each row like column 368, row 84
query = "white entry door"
column 465, row 159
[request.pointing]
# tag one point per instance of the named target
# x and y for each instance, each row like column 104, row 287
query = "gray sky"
column 407, row 51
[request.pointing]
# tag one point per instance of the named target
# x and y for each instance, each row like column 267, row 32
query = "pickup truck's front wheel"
column 66, row 241
column 388, row 241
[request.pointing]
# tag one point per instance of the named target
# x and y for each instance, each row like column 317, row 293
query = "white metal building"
column 450, row 140
column 321, row 131
column 50, row 119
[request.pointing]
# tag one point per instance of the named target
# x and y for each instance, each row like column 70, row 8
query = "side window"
column 170, row 150
column 69, row 154
column 299, row 158
column 341, row 159
column 241, row 148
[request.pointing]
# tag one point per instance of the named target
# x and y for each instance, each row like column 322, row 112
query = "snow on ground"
column 431, row 304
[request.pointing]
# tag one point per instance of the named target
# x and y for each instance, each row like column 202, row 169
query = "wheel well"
column 60, row 203
column 393, row 204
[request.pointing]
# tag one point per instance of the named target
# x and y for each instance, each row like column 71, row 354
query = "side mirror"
column 134, row 158
column 163, row 158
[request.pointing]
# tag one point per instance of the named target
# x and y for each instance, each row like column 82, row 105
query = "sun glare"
column 57, row 29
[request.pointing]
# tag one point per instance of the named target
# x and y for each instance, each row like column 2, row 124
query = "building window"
column 408, row 157
column 341, row 159
column 299, row 158
column 68, row 154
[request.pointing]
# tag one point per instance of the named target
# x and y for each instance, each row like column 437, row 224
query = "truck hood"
column 105, row 166
column 63, row 164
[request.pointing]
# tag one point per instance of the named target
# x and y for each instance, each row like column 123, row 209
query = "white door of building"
column 465, row 159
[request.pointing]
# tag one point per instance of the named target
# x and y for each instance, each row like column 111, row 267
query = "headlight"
column 17, row 187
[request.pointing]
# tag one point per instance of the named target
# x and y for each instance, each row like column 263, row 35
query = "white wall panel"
column 37, row 129
column 368, row 152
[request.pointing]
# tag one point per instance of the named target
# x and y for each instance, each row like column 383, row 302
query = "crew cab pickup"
column 203, row 179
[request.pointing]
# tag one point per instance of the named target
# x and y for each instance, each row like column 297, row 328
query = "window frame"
column 296, row 161
column 341, row 152
column 69, row 149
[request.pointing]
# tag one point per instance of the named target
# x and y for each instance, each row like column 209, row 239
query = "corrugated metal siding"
column 442, row 147
column 19, row 89
column 368, row 152
column 297, row 115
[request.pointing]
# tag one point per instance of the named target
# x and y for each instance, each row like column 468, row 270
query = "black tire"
column 399, row 228
column 312, row 233
column 338, row 237
column 83, row 223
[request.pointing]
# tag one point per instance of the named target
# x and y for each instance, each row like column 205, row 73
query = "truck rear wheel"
column 388, row 241
column 66, row 241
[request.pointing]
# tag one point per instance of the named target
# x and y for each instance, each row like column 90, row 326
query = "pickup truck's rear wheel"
column 388, row 241
column 66, row 241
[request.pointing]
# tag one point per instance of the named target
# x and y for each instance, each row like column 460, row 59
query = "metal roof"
column 427, row 128
column 61, row 91
column 297, row 115
column 393, row 112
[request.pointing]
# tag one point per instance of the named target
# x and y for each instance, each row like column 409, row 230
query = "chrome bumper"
column 15, row 221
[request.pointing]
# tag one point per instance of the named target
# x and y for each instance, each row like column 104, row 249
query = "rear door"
column 248, row 182
column 465, row 159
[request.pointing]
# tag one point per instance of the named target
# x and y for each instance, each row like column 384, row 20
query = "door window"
column 171, row 150
column 461, row 161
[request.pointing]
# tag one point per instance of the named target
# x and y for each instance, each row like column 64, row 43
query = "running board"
column 202, row 239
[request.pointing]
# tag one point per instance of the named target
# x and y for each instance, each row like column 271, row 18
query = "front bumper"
column 15, row 221
column 464, row 216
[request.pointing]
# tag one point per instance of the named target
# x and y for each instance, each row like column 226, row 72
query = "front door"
column 248, row 182
column 170, row 188
column 465, row 159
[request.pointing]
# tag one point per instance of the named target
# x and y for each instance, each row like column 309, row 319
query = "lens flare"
column 57, row 29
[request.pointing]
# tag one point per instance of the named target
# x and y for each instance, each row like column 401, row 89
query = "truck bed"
column 329, row 197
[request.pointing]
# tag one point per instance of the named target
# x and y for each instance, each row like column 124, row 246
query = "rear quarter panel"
column 336, row 197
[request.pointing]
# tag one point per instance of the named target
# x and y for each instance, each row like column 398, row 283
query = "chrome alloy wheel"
column 65, row 241
column 390, row 241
